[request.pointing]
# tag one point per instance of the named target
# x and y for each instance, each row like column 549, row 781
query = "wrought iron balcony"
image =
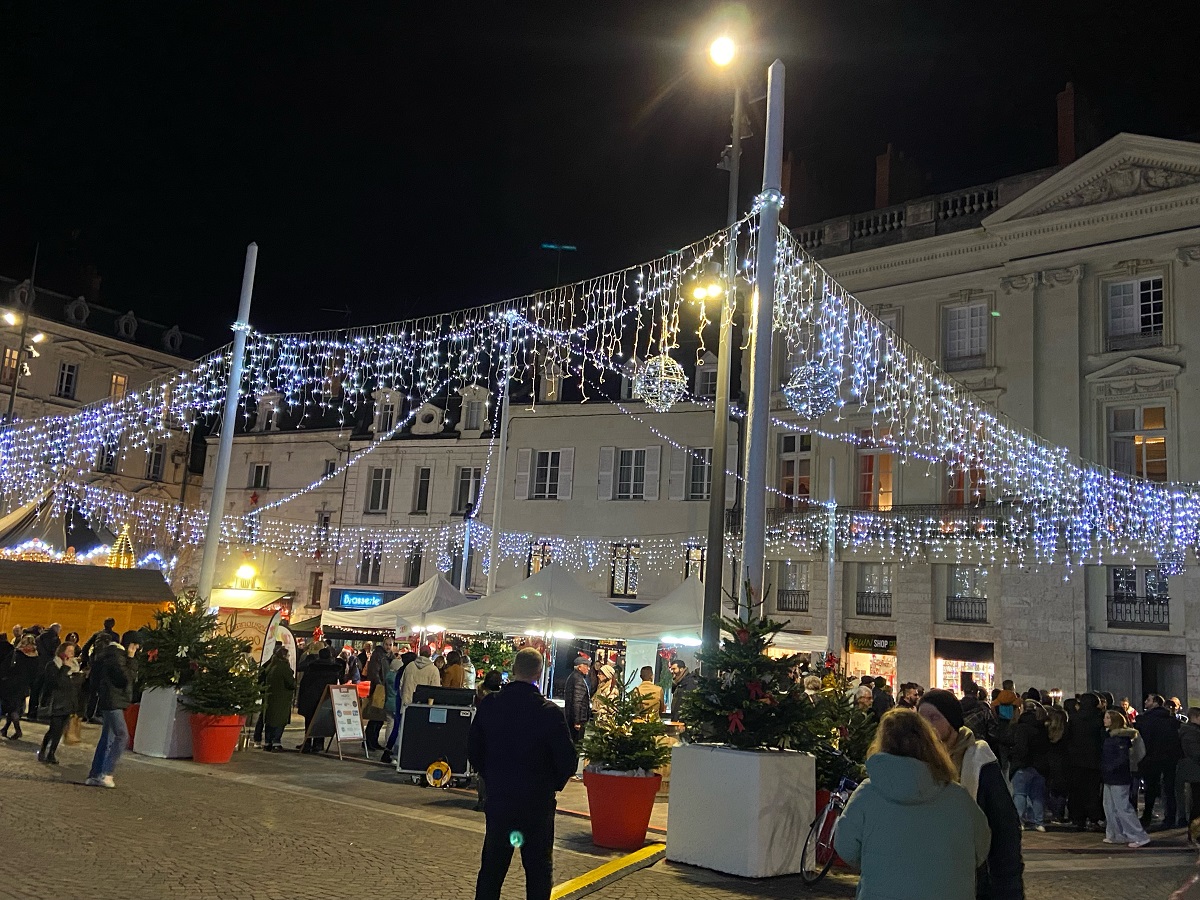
column 966, row 609
column 791, row 601
column 873, row 603
column 1129, row 611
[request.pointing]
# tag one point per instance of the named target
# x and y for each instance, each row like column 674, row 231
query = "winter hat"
column 131, row 637
column 1007, row 698
column 581, row 661
column 609, row 671
column 947, row 704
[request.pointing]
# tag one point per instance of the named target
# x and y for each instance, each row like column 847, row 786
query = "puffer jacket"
column 1189, row 741
column 577, row 700
column 59, row 692
column 1122, row 751
column 113, row 677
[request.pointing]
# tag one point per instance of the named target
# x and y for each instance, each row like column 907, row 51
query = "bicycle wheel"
column 818, row 854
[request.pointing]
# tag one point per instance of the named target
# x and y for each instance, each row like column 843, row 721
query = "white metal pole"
column 216, row 506
column 501, row 457
column 831, row 563
column 758, row 415
column 464, row 579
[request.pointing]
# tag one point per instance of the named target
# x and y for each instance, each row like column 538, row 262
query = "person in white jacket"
column 420, row 671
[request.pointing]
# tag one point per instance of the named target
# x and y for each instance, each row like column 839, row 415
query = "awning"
column 236, row 598
column 799, row 643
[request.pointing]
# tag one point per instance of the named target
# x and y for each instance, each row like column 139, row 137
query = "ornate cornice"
column 1189, row 255
column 1052, row 278
column 1128, row 178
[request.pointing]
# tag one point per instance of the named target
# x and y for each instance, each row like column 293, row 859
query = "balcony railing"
column 1149, row 613
column 791, row 601
column 966, row 609
column 873, row 603
column 1134, row 341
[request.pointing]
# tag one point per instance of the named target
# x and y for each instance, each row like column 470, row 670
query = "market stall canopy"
column 43, row 521
column 675, row 619
column 549, row 602
column 409, row 612
column 237, row 598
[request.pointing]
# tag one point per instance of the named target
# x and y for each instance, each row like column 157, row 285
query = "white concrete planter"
column 164, row 727
column 740, row 812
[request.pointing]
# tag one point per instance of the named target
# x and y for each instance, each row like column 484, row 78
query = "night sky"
column 400, row 158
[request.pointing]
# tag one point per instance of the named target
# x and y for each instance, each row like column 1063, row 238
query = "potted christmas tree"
column 223, row 692
column 749, row 765
column 623, row 747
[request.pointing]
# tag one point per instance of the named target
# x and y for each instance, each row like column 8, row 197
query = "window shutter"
column 523, row 458
column 604, row 479
column 731, row 465
column 566, row 472
column 653, row 472
column 677, row 479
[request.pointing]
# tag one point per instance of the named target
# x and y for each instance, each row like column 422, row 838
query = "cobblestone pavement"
column 289, row 826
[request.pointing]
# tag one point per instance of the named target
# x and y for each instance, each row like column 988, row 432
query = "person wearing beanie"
column 1007, row 707
column 1002, row 878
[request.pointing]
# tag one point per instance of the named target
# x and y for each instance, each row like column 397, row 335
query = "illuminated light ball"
column 1173, row 563
column 660, row 382
column 722, row 50
column 516, row 839
column 812, row 391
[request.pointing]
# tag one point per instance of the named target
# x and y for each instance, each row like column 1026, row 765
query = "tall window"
column 795, row 470
column 967, row 581
column 323, row 522
column 329, row 469
column 8, row 374
column 966, row 335
column 694, row 559
column 118, row 386
column 625, row 570
column 473, row 415
column 469, row 482
column 631, row 475
column 379, row 490
column 315, row 582
column 874, row 470
column 889, row 318
column 1137, row 441
column 545, row 475
column 539, row 557
column 968, row 485
column 387, row 417
column 421, row 490
column 706, row 381
column 875, row 578
column 1125, row 583
column 793, row 576
column 68, row 376
column 106, row 460
column 154, row 462
column 1135, row 314
column 413, row 569
column 699, row 473
column 369, row 562
column 260, row 476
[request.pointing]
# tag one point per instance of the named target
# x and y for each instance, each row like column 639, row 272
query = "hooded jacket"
column 1031, row 744
column 113, row 677
column 420, row 671
column 899, row 799
column 1122, row 751
column 1085, row 735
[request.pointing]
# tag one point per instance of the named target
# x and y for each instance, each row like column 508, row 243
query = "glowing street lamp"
column 722, row 50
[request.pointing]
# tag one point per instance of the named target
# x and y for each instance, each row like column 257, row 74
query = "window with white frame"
column 1135, row 313
column 874, row 578
column 155, row 457
column 421, row 490
column 967, row 484
column 539, row 557
column 469, row 482
column 118, row 386
column 890, row 318
column 545, row 475
column 106, row 459
column 967, row 581
column 795, row 470
column 8, row 374
column 330, row 468
column 624, row 581
column 1137, row 441
column 473, row 415
column 631, row 474
column 965, row 335
column 323, row 522
column 68, row 376
column 379, row 489
column 694, row 561
column 792, row 575
column 874, row 469
column 1124, row 582
column 699, row 473
column 260, row 476
column 627, row 373
column 387, row 417
column 706, row 381
column 370, row 561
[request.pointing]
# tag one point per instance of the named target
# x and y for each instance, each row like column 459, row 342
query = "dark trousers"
column 53, row 735
column 1159, row 778
column 373, row 729
column 1084, row 796
column 537, row 853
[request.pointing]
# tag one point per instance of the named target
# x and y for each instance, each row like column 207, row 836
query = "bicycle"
column 818, row 854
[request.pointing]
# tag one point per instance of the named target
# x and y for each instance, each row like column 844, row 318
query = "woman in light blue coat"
column 912, row 790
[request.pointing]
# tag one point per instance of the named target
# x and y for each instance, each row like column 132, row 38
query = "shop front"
column 871, row 654
column 961, row 662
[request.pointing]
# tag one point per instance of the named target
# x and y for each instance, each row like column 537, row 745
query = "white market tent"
column 417, row 609
column 550, row 602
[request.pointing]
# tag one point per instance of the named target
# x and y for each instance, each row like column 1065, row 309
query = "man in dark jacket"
column 99, row 641
column 1187, row 772
column 114, row 673
column 881, row 697
column 520, row 744
column 47, row 646
column 977, row 713
column 376, row 671
column 318, row 672
column 683, row 683
column 578, row 699
column 1160, row 733
column 1085, row 737
column 1031, row 743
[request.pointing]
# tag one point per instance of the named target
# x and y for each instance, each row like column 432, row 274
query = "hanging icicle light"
column 660, row 382
column 812, row 391
column 1172, row 563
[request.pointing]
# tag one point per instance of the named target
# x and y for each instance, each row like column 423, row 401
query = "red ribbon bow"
column 735, row 722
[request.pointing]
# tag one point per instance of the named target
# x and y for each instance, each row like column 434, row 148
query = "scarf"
column 970, row 756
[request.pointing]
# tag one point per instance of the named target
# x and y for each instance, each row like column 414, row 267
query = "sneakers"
column 1041, row 828
column 1111, row 841
column 1135, row 844
column 104, row 781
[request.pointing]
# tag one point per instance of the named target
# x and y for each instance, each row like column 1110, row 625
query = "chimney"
column 1066, row 125
column 897, row 178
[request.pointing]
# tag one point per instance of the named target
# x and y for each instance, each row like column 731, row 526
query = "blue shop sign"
column 360, row 599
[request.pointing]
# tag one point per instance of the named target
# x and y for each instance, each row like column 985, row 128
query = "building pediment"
column 1136, row 371
column 1128, row 165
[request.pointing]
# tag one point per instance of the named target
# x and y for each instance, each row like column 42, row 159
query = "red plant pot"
column 214, row 738
column 131, row 717
column 620, row 808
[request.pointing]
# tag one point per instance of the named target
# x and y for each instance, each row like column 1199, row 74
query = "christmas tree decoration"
column 812, row 391
column 489, row 651
column 660, row 382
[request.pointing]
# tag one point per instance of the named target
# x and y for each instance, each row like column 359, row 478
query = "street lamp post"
column 722, row 53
